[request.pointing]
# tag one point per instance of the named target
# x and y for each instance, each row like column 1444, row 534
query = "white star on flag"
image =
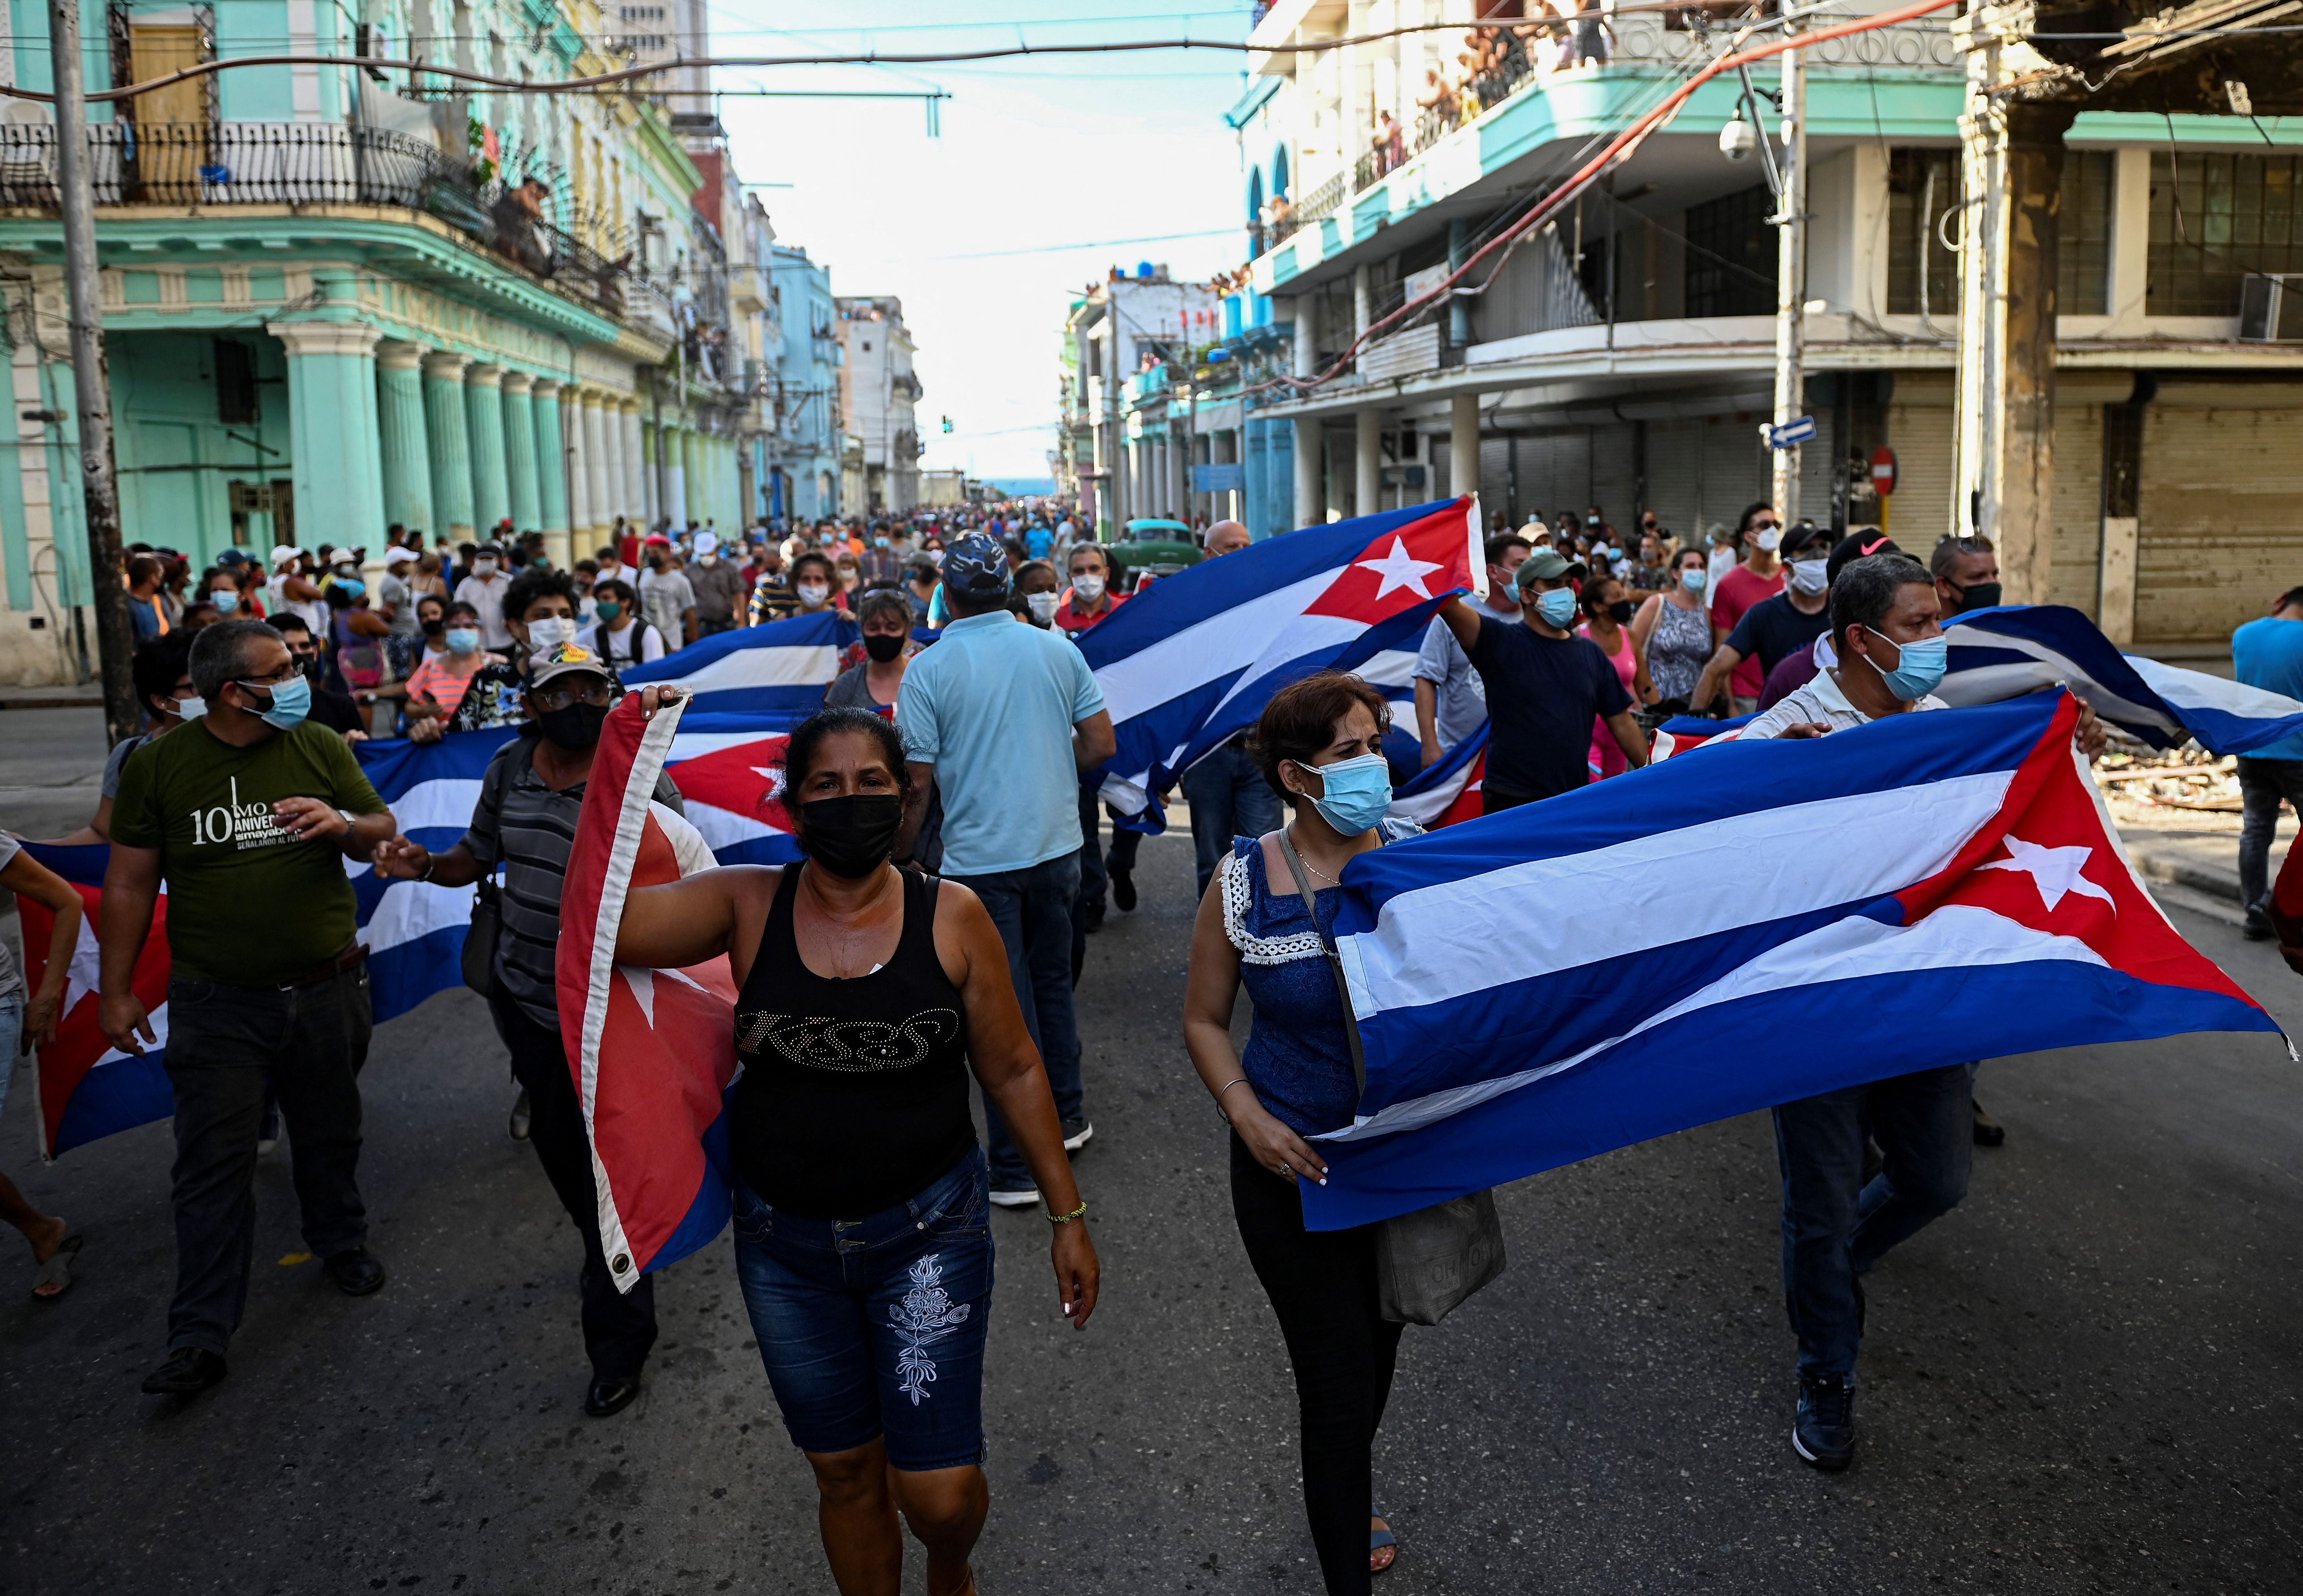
column 2054, row 871
column 1399, row 569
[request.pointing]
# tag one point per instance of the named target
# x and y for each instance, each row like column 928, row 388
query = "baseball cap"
column 281, row 553
column 976, row 566
column 395, row 554
column 1804, row 539
column 1547, row 565
column 233, row 558
column 707, row 542
column 565, row 658
column 1860, row 544
column 491, row 549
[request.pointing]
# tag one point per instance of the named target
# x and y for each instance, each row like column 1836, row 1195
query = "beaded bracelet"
column 1065, row 1219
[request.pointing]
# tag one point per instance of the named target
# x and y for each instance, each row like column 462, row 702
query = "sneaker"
column 1123, row 890
column 2259, row 926
column 520, row 1117
column 1078, row 1134
column 1824, row 1432
column 1015, row 1196
column 188, row 1371
column 1988, row 1132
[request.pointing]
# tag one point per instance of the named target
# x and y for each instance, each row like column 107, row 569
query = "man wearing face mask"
column 717, row 585
column 1778, row 626
column 161, row 672
column 338, row 711
column 526, row 822
column 1091, row 597
column 667, row 598
column 1545, row 687
column 1758, row 578
column 485, row 589
column 540, row 613
column 1967, row 575
column 250, row 805
column 1451, row 702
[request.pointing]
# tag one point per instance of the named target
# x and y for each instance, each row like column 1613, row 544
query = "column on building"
column 595, row 466
column 400, row 416
column 747, row 482
column 1367, row 460
column 1310, row 482
column 635, row 467
column 580, row 526
column 1463, row 447
column 611, row 458
column 699, row 481
column 672, row 441
column 484, row 417
column 550, row 472
column 519, row 453
column 651, row 490
column 447, row 439
column 332, row 435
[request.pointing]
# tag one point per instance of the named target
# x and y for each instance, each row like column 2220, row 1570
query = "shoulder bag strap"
column 1335, row 960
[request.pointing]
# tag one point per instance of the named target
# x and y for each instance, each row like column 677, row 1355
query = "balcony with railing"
column 200, row 165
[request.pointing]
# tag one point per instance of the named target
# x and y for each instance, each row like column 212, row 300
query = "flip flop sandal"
column 1377, row 1540
column 56, row 1272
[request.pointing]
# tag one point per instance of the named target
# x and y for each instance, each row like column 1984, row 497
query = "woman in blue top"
column 1321, row 743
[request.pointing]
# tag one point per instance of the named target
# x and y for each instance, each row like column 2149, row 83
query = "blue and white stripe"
column 781, row 667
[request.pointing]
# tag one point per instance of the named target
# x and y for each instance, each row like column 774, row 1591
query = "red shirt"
column 1069, row 620
column 1739, row 590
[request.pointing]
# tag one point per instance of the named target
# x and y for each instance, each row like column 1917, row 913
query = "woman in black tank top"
column 864, row 992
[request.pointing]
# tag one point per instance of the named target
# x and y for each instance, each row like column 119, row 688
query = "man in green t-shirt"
column 247, row 812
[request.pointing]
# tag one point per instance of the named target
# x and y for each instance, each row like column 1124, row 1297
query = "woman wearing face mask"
column 865, row 994
column 1607, row 621
column 437, row 688
column 529, row 804
column 620, row 635
column 1320, row 741
column 1673, row 630
column 849, row 573
column 161, row 670
column 1036, row 593
column 1760, row 577
column 886, row 619
column 540, row 614
column 221, row 588
column 1775, row 627
column 813, row 585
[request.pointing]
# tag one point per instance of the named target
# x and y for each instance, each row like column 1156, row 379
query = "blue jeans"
column 1229, row 798
column 2262, row 783
column 11, row 1038
column 1834, row 1227
column 1033, row 909
column 875, row 1327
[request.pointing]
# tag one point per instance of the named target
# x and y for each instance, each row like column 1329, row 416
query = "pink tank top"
column 1606, row 755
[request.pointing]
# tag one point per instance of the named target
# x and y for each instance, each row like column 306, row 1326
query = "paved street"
column 2088, row 1377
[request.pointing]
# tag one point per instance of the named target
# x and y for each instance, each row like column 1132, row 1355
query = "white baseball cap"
column 707, row 542
column 395, row 554
column 283, row 553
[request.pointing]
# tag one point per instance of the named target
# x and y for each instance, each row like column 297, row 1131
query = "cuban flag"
column 653, row 1051
column 1193, row 660
column 781, row 668
column 1449, row 792
column 1998, row 653
column 1715, row 935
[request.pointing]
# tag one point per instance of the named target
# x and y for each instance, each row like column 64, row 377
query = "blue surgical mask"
column 224, row 599
column 1356, row 793
column 1920, row 667
column 1557, row 607
column 291, row 700
column 351, row 584
column 463, row 640
column 1693, row 578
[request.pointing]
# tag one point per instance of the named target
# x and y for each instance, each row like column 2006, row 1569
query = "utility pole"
column 1791, row 282
column 116, row 639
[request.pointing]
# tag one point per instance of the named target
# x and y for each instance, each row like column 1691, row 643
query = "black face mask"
column 434, row 626
column 575, row 727
column 1622, row 611
column 1981, row 595
column 313, row 668
column 853, row 836
column 883, row 646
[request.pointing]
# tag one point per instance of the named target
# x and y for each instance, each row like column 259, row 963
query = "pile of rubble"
column 2184, row 788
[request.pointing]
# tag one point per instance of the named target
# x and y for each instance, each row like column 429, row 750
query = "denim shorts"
column 875, row 1326
column 11, row 1038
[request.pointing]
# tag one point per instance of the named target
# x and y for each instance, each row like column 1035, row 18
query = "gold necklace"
column 1308, row 865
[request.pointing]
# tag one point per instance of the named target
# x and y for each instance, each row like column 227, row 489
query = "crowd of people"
column 954, row 862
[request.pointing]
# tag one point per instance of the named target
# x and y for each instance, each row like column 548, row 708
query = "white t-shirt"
column 638, row 644
column 1819, row 699
column 486, row 595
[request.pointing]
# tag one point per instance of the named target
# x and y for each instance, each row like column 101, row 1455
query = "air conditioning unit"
column 2271, row 308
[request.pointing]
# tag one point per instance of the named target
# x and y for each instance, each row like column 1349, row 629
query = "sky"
column 988, row 232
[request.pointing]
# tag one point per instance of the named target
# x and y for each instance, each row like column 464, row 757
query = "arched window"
column 1255, row 196
column 1279, row 172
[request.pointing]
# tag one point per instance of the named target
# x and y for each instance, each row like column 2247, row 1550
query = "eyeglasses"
column 286, row 672
column 599, row 694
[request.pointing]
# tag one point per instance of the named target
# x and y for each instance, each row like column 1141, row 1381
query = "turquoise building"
column 805, row 453
column 330, row 305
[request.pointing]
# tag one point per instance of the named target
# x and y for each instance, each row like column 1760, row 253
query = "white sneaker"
column 1016, row 1196
column 1078, row 1134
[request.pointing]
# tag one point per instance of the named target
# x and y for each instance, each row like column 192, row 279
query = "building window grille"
column 2083, row 250
column 2214, row 219
column 1731, row 255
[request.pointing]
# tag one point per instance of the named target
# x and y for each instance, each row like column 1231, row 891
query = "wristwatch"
column 351, row 821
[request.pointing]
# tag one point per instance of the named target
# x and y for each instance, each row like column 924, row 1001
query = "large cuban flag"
column 1997, row 653
column 1193, row 660
column 653, row 1051
column 728, row 768
column 781, row 668
column 1719, row 934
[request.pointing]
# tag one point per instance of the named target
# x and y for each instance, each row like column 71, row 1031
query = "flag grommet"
column 623, row 1264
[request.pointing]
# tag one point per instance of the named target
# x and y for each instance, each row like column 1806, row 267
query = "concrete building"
column 1129, row 343
column 1623, row 354
column 877, row 391
column 803, row 462
column 327, row 313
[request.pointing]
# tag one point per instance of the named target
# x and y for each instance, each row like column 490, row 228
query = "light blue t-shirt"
column 1040, row 541
column 992, row 706
column 2268, row 654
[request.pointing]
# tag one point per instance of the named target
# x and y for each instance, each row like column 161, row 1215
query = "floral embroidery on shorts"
column 925, row 1316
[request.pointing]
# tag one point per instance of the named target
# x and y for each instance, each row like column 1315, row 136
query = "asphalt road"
column 2086, row 1379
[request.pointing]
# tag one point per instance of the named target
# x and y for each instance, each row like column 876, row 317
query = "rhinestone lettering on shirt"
column 852, row 1046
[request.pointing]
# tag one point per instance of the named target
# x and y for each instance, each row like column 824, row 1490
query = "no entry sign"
column 1883, row 471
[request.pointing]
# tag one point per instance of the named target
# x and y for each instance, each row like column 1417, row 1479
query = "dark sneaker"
column 189, row 1372
column 1014, row 1196
column 1078, row 1134
column 1988, row 1132
column 355, row 1271
column 1123, row 890
column 1824, row 1432
column 2259, row 926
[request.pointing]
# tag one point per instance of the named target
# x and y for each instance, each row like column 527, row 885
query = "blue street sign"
column 1792, row 433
